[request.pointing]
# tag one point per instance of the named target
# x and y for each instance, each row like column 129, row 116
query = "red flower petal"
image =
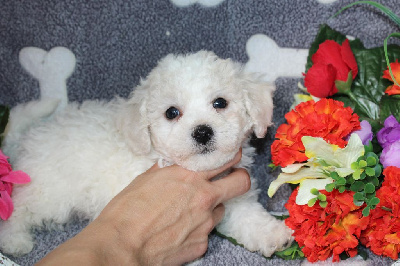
column 320, row 80
column 395, row 70
column 348, row 58
column 393, row 90
column 330, row 53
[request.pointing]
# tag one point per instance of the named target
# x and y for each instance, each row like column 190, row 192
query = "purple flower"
column 390, row 133
column 365, row 133
column 391, row 155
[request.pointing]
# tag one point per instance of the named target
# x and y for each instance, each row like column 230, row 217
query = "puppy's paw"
column 278, row 237
column 16, row 244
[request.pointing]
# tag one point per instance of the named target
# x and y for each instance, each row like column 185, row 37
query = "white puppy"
column 195, row 110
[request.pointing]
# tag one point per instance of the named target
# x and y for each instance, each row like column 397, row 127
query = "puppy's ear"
column 132, row 122
column 258, row 101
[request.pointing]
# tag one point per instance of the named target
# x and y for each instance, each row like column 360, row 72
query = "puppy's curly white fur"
column 194, row 110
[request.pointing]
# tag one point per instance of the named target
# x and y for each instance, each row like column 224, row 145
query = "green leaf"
column 369, row 86
column 350, row 180
column 371, row 161
column 312, row 202
column 374, row 201
column 356, row 174
column 341, row 189
column 369, row 188
column 389, row 105
column 378, row 171
column 362, row 176
column 357, row 186
column 334, row 175
column 354, row 166
column 373, row 155
column 323, row 204
column 314, row 191
column 368, row 148
column 370, row 171
column 330, row 187
column 375, row 181
column 272, row 166
column 362, row 163
column 230, row 239
column 291, row 253
column 345, row 86
column 321, row 197
column 359, row 196
column 370, row 196
column 341, row 181
column 366, row 211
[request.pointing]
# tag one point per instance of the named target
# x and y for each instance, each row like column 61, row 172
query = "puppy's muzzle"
column 202, row 134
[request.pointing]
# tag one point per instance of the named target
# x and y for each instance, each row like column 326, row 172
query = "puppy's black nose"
column 202, row 134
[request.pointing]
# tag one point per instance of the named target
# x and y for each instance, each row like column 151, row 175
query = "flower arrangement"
column 8, row 177
column 341, row 146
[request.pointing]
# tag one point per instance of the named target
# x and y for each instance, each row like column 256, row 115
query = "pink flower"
column 8, row 177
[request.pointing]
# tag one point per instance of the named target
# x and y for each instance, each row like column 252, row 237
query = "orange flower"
column 327, row 118
column 383, row 233
column 393, row 89
column 330, row 231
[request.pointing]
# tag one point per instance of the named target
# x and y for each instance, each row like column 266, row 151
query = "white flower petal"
column 292, row 168
column 351, row 152
column 304, row 194
column 320, row 149
column 295, row 178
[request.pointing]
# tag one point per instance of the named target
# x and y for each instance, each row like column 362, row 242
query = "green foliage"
column 321, row 198
column 291, row 253
column 364, row 181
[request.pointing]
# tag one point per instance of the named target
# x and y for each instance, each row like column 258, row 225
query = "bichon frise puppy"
column 194, row 110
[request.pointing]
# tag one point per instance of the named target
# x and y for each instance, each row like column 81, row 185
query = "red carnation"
column 330, row 231
column 331, row 62
column 327, row 118
column 383, row 233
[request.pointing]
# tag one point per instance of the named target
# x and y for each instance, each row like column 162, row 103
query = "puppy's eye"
column 172, row 113
column 220, row 103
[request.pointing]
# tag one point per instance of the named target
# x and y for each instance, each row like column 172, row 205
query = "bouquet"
column 8, row 177
column 341, row 146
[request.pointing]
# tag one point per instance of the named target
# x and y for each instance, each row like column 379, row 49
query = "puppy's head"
column 196, row 110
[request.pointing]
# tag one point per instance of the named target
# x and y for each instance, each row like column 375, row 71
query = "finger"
column 232, row 185
column 210, row 174
column 218, row 213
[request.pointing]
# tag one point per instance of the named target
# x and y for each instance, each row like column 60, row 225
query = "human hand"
column 162, row 218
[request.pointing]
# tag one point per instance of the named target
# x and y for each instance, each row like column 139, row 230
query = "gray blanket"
column 118, row 41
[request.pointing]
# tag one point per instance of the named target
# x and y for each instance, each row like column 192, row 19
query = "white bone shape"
column 51, row 69
column 272, row 61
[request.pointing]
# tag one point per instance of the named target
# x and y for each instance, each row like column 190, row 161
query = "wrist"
column 113, row 244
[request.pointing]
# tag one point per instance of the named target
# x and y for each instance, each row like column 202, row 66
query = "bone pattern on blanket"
column 117, row 42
